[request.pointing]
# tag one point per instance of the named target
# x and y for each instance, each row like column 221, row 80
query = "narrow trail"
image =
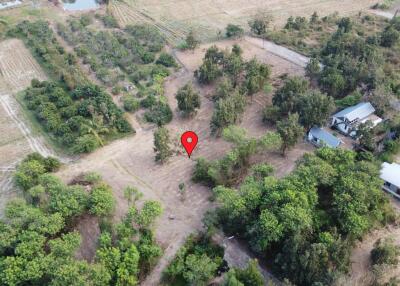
column 280, row 51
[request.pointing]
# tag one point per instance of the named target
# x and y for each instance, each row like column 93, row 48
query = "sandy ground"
column 17, row 69
column 210, row 17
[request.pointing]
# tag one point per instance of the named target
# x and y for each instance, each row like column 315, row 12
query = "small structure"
column 320, row 138
column 347, row 120
column 390, row 173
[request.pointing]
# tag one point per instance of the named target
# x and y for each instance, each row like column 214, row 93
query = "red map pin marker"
column 189, row 141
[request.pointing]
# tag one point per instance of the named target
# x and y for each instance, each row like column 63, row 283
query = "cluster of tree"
column 250, row 276
column 113, row 55
column 39, row 37
column 231, row 168
column 308, row 220
column 81, row 119
column 38, row 245
column 131, row 54
column 295, row 96
column 239, row 78
column 296, row 106
column 196, row 263
column 351, row 60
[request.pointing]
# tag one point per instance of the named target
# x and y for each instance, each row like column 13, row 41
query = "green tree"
column 188, row 99
column 250, row 276
column 162, row 144
column 314, row 108
column 191, row 41
column 290, row 131
column 259, row 24
column 208, row 72
column 101, row 201
column 286, row 97
column 150, row 211
column 389, row 37
column 365, row 135
column 227, row 112
column 199, row 269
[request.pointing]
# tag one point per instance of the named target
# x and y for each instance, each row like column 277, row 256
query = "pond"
column 77, row 5
column 4, row 5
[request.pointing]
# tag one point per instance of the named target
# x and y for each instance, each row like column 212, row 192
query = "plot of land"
column 130, row 161
column 17, row 69
column 208, row 17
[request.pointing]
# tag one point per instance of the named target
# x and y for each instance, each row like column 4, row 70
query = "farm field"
column 17, row 69
column 208, row 17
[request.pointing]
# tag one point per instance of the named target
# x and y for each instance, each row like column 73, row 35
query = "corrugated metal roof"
column 329, row 139
column 361, row 110
column 391, row 173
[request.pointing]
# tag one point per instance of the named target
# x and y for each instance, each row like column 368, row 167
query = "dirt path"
column 280, row 51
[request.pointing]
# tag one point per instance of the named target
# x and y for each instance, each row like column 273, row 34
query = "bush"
column 385, row 252
column 101, row 202
column 86, row 144
column 131, row 104
column 166, row 60
column 234, row 31
column 160, row 114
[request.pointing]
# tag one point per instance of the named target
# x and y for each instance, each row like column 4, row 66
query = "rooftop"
column 391, row 173
column 359, row 111
column 329, row 139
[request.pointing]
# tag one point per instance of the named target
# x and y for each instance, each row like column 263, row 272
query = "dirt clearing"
column 209, row 17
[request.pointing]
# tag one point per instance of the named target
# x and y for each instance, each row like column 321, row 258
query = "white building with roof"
column 347, row 120
column 390, row 173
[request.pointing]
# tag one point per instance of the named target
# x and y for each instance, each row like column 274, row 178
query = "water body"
column 79, row 5
column 9, row 4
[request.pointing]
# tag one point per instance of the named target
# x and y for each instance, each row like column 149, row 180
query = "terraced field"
column 17, row 69
column 210, row 17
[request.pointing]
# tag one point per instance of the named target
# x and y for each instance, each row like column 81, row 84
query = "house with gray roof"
column 390, row 174
column 347, row 120
column 319, row 137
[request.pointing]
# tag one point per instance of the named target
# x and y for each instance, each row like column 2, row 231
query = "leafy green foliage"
column 162, row 144
column 166, row 60
column 234, row 31
column 249, row 276
column 229, row 169
column 188, row 99
column 196, row 262
column 38, row 246
column 130, row 103
column 81, row 120
column 308, row 220
column 290, row 131
column 102, row 201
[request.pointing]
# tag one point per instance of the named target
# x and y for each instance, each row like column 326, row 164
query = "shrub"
column 166, row 60
column 101, row 202
column 131, row 104
column 385, row 252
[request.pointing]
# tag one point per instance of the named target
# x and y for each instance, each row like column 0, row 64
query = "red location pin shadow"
column 189, row 141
